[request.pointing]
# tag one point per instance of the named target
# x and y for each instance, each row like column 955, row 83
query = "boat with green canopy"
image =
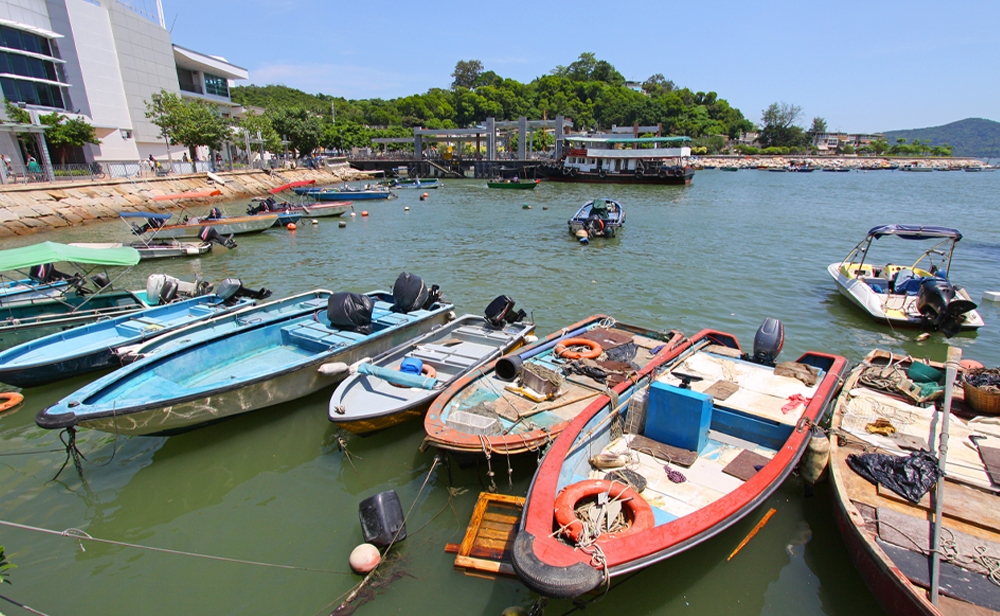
column 85, row 293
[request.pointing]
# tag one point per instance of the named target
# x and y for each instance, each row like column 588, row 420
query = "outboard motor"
column 167, row 288
column 209, row 234
column 151, row 223
column 937, row 304
column 351, row 311
column 501, row 311
column 409, row 293
column 232, row 289
column 46, row 272
column 768, row 341
column 101, row 281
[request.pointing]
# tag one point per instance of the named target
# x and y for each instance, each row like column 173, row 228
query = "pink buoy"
column 970, row 364
column 364, row 558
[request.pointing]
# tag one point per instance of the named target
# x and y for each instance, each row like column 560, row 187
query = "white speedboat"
column 915, row 295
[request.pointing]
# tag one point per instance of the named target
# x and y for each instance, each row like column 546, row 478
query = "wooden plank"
column 662, row 451
column 960, row 503
column 485, row 549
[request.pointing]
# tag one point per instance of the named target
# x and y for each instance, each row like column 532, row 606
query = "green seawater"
column 275, row 487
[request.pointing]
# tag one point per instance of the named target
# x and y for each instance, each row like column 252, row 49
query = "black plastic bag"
column 910, row 477
column 409, row 293
column 351, row 311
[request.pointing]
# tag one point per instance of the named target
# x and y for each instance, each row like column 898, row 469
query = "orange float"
column 9, row 400
column 562, row 349
column 637, row 510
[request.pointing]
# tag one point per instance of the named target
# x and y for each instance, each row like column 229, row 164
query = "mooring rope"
column 81, row 536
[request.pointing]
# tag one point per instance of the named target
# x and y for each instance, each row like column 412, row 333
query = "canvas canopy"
column 147, row 215
column 915, row 232
column 628, row 139
column 50, row 252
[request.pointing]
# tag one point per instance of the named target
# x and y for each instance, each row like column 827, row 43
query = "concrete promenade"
column 26, row 209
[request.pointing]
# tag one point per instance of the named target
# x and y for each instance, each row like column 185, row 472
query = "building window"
column 31, row 92
column 25, row 41
column 186, row 80
column 16, row 64
column 216, row 85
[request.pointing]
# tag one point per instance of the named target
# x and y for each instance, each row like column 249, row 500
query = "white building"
column 102, row 60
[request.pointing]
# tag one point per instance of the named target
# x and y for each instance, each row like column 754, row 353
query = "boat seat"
column 200, row 311
column 131, row 328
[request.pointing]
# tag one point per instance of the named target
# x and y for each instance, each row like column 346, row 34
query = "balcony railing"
column 191, row 87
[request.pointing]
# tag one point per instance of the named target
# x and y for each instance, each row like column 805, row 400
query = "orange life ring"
column 594, row 352
column 9, row 400
column 637, row 510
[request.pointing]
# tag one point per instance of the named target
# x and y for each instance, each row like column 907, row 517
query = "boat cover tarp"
column 146, row 215
column 51, row 252
column 352, row 311
column 915, row 232
column 909, row 476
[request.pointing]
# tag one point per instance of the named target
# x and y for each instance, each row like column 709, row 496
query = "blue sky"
column 863, row 66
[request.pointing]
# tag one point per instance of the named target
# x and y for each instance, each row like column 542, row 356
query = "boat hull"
column 25, row 322
column 157, row 250
column 364, row 403
column 353, row 196
column 512, row 185
column 225, row 226
column 555, row 174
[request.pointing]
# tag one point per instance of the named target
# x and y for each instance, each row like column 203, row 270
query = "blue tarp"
column 915, row 232
column 144, row 215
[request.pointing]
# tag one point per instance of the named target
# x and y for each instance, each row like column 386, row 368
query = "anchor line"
column 81, row 536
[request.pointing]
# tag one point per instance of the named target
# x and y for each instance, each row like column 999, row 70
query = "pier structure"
column 425, row 162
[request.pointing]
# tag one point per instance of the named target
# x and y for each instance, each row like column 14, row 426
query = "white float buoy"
column 813, row 464
column 353, row 214
column 315, row 222
column 342, row 224
column 364, row 558
column 406, row 209
column 991, row 296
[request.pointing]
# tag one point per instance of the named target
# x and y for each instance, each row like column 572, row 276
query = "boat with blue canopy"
column 258, row 365
column 597, row 218
column 92, row 347
column 152, row 247
column 918, row 294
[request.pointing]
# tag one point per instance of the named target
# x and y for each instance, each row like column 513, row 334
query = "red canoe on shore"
column 291, row 185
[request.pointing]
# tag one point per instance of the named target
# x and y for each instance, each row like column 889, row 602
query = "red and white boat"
column 692, row 451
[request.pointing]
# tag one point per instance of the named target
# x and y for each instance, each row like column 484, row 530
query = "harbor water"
column 272, row 496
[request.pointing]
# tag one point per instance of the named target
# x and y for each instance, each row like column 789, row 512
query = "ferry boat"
column 622, row 160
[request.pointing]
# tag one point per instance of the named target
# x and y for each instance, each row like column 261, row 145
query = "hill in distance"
column 976, row 137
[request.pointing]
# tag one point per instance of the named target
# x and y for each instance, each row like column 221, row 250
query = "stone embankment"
column 836, row 162
column 26, row 209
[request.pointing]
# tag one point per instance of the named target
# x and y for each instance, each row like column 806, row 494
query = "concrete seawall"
column 40, row 207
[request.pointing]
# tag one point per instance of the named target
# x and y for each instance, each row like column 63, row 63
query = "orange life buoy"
column 637, row 510
column 9, row 400
column 594, row 352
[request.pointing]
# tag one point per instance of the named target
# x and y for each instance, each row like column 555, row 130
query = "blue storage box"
column 678, row 417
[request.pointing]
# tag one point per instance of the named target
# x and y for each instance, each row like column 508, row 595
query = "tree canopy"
column 778, row 128
column 189, row 122
column 62, row 133
column 589, row 91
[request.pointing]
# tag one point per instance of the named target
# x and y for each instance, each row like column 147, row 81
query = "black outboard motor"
column 938, row 305
column 768, row 341
column 209, row 234
column 501, row 311
column 409, row 293
column 351, row 311
column 46, row 272
column 151, row 223
column 232, row 289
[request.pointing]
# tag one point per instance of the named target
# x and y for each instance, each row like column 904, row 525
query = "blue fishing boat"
column 261, row 364
column 597, row 218
column 28, row 289
column 353, row 195
column 85, row 292
column 92, row 347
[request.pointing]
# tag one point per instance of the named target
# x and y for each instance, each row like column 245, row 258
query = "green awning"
column 629, row 139
column 50, row 252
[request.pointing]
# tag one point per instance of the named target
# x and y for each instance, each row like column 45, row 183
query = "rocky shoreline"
column 835, row 162
column 27, row 209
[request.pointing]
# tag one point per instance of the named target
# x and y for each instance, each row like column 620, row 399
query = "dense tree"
column 63, row 134
column 657, row 84
column 466, row 74
column 818, row 126
column 778, row 127
column 16, row 114
column 302, row 129
column 189, row 122
column 259, row 126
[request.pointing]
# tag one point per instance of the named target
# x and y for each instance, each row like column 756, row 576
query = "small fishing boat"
column 353, row 195
column 415, row 183
column 315, row 210
column 642, row 476
column 917, row 294
column 92, row 347
column 514, row 184
column 730, row 168
column 87, row 294
column 260, row 364
column 399, row 384
column 521, row 402
column 152, row 247
column 29, row 289
column 934, row 441
column 597, row 218
column 194, row 226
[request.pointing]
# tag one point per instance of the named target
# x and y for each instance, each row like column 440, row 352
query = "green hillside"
column 976, row 137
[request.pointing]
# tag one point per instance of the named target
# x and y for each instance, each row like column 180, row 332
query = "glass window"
column 11, row 38
column 9, row 89
column 4, row 63
column 27, row 92
column 31, row 42
column 44, row 94
column 216, row 85
column 19, row 65
column 37, row 68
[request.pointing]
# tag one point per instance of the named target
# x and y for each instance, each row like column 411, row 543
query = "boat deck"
column 891, row 531
column 750, row 419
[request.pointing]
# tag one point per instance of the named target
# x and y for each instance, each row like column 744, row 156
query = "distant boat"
column 622, row 160
column 730, row 168
column 514, row 184
column 599, row 218
column 193, row 227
